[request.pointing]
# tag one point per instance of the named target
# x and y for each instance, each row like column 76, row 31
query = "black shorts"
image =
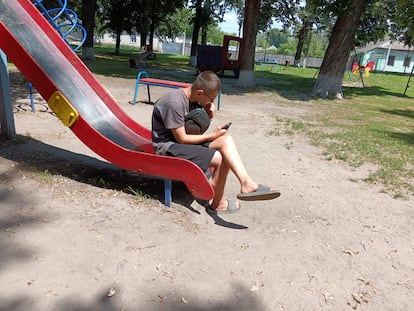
column 200, row 155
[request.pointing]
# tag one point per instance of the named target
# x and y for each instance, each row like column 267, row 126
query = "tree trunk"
column 118, row 40
column 88, row 22
column 251, row 13
column 196, row 32
column 204, row 35
column 302, row 35
column 151, row 35
column 143, row 38
column 333, row 66
column 88, row 53
column 154, row 21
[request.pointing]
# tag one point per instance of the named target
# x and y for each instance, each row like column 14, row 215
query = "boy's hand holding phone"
column 226, row 126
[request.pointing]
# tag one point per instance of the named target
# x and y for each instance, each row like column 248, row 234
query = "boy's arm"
column 183, row 138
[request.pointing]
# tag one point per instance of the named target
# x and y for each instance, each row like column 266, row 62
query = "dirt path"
column 69, row 234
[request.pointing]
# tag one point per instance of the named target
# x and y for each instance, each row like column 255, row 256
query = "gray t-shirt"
column 169, row 113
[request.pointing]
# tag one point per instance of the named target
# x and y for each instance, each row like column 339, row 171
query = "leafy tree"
column 116, row 14
column 273, row 37
column 238, row 7
column 357, row 21
column 374, row 22
column 213, row 11
column 318, row 44
column 342, row 40
column 307, row 15
column 215, row 35
column 277, row 37
column 206, row 13
column 141, row 19
column 159, row 10
column 262, row 40
column 283, row 11
column 403, row 21
column 257, row 16
column 289, row 47
column 143, row 15
column 174, row 24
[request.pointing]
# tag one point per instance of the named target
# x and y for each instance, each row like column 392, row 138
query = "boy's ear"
column 199, row 92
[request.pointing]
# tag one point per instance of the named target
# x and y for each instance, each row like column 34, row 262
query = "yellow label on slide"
column 63, row 109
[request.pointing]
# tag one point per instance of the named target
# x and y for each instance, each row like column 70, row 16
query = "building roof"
column 385, row 44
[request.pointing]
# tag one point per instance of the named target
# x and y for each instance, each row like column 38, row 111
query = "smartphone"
column 226, row 126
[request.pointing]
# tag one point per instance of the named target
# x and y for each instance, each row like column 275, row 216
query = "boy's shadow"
column 184, row 198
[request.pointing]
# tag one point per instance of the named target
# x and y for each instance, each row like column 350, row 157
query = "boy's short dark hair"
column 207, row 81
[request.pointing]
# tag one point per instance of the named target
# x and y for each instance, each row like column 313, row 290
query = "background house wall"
column 388, row 57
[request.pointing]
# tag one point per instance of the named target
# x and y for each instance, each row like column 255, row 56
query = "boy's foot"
column 262, row 193
column 231, row 208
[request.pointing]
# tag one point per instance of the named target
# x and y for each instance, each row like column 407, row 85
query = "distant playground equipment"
column 355, row 68
column 65, row 21
column 220, row 58
column 144, row 79
column 83, row 104
column 141, row 60
column 364, row 70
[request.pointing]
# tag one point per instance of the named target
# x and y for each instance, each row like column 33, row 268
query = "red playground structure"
column 83, row 104
column 356, row 68
column 220, row 58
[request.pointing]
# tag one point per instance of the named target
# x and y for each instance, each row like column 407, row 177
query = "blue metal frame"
column 69, row 20
column 146, row 75
column 61, row 18
column 167, row 192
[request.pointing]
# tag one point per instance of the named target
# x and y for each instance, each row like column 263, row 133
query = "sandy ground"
column 70, row 233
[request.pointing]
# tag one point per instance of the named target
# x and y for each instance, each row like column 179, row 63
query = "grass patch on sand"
column 374, row 124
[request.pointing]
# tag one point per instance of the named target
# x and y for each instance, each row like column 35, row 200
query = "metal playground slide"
column 82, row 103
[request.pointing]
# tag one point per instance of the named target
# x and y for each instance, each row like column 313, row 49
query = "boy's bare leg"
column 219, row 178
column 219, row 181
column 228, row 149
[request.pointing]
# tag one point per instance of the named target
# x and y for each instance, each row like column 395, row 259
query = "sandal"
column 231, row 208
column 262, row 193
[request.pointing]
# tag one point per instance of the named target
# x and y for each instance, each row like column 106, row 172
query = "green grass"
column 108, row 64
column 373, row 125
column 138, row 194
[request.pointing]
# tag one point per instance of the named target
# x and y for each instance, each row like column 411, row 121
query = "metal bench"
column 143, row 78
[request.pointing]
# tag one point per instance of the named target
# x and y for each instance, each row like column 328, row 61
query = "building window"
column 407, row 62
column 391, row 60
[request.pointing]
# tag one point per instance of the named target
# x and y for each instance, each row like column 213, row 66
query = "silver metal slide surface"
column 64, row 75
